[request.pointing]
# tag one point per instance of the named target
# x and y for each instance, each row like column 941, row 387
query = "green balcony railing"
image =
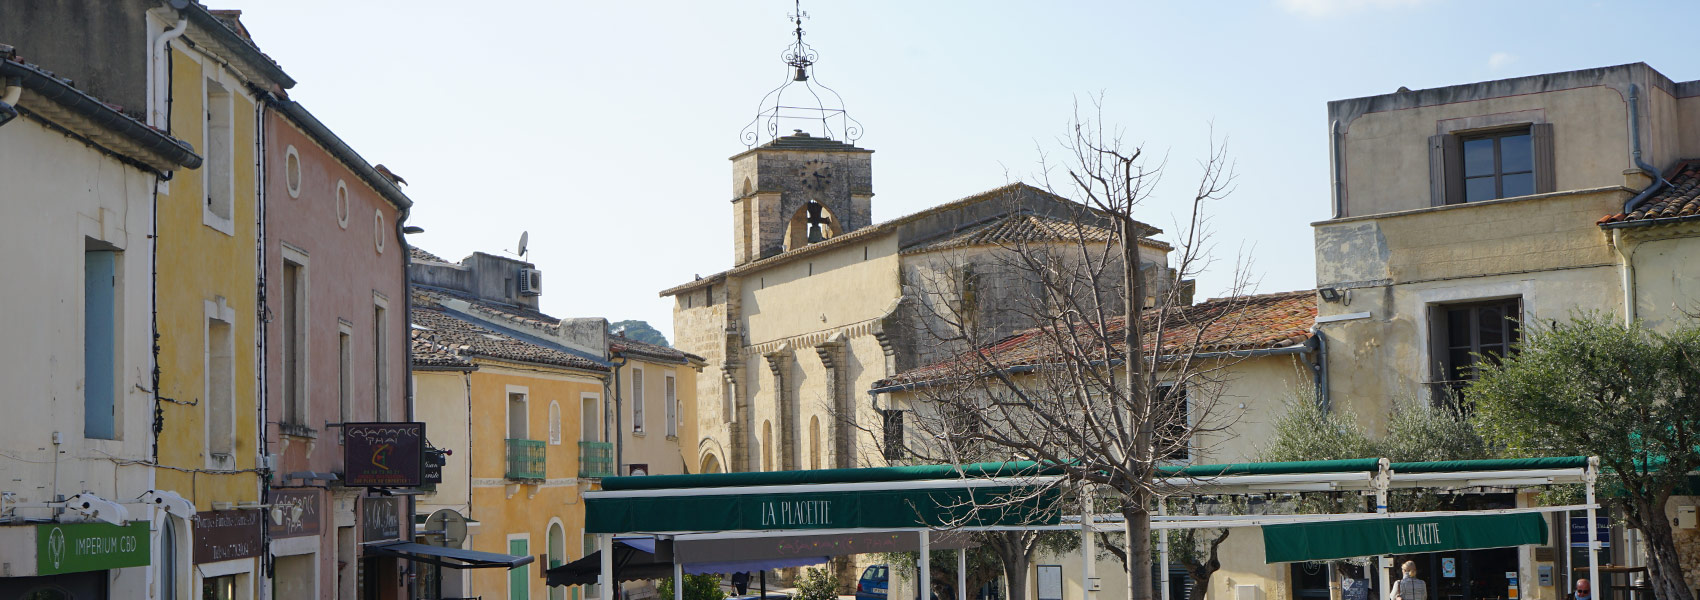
column 526, row 459
column 596, row 459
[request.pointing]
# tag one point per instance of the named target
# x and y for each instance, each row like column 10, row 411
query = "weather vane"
column 774, row 114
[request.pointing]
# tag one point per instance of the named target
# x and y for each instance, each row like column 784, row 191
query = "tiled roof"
column 1679, row 199
column 1018, row 228
column 469, row 339
column 623, row 345
column 871, row 231
column 1239, row 323
column 420, row 255
column 429, row 351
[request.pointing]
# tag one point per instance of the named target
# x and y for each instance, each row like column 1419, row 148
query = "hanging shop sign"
column 1579, row 531
column 380, row 519
column 300, row 510
column 227, row 534
column 1295, row 542
column 383, row 454
column 79, row 547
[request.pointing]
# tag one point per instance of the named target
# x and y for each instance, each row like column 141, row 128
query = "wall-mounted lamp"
column 1329, row 294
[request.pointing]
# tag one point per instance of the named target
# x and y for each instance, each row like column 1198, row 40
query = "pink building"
column 336, row 351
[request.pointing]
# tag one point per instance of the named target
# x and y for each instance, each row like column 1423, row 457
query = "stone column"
column 831, row 354
column 779, row 361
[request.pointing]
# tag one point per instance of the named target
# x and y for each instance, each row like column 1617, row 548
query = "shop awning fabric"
column 440, row 556
column 1296, row 542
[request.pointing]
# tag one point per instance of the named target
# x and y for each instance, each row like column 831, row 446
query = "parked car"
column 876, row 582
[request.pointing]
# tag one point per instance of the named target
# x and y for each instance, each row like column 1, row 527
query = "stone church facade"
column 821, row 302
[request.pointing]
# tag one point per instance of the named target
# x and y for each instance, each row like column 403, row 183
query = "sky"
column 603, row 128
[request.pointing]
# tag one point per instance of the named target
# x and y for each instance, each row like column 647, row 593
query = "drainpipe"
column 1320, row 377
column 1635, row 152
column 162, row 108
column 619, row 434
column 1626, row 268
column 1334, row 167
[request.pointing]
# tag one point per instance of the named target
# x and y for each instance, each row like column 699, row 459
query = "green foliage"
column 638, row 330
column 1306, row 432
column 697, row 587
column 818, row 584
column 1416, row 431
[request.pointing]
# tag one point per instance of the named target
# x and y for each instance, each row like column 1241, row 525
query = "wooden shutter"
column 1437, row 169
column 1437, row 345
column 1445, row 176
column 1545, row 175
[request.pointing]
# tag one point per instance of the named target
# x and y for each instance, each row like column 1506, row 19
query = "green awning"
column 1500, row 464
column 1273, row 468
column 1295, row 542
column 884, row 509
column 818, row 476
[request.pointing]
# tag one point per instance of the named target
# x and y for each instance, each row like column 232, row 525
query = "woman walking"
column 1409, row 588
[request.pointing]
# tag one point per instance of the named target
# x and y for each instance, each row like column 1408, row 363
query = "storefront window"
column 219, row 588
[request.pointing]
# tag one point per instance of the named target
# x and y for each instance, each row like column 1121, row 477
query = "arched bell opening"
column 813, row 222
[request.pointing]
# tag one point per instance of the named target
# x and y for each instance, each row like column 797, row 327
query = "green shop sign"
column 78, row 547
column 1294, row 542
column 823, row 510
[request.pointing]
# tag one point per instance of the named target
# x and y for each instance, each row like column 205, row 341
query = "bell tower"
column 793, row 190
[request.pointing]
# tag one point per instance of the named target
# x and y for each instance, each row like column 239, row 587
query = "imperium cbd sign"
column 78, row 547
column 385, row 455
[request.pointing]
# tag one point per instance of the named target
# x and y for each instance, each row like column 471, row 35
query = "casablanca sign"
column 78, row 547
column 388, row 455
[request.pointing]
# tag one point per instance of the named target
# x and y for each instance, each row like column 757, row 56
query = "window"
column 589, row 419
column 220, row 384
column 1462, row 335
column 380, row 234
column 671, row 397
column 554, row 423
column 637, row 400
column 517, row 427
column 557, row 557
column 292, row 171
column 294, row 315
column 1486, row 165
column 345, row 370
column 1500, row 165
column 342, row 204
column 1174, row 423
column 893, row 422
column 380, row 358
column 220, row 148
column 100, row 344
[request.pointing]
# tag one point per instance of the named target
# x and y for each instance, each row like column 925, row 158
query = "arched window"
column 554, row 423
column 814, row 442
column 557, row 557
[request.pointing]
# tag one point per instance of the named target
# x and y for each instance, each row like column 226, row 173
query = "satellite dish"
column 451, row 524
column 524, row 238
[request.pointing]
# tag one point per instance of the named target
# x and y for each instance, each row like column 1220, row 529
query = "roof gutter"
column 59, row 92
column 342, row 151
column 201, row 17
column 1635, row 152
column 1303, row 348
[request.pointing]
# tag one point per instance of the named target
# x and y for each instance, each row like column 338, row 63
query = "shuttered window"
column 100, row 341
column 1462, row 336
column 1479, row 166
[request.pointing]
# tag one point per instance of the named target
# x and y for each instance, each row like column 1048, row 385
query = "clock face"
column 815, row 175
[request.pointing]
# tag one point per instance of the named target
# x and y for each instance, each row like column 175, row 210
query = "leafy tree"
column 818, row 584
column 1629, row 395
column 697, row 587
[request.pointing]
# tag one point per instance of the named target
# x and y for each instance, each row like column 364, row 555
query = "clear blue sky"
column 603, row 128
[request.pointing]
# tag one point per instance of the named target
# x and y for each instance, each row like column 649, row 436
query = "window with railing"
column 526, row 459
column 595, row 459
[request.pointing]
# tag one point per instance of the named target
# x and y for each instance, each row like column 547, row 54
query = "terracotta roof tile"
column 467, row 339
column 624, row 345
column 1679, row 199
column 1240, row 323
column 420, row 255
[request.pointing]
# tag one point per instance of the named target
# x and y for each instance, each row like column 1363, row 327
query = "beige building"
column 821, row 303
column 1461, row 213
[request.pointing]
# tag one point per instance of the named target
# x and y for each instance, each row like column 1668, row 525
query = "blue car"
column 876, row 581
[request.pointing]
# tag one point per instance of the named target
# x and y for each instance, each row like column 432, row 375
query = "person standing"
column 1410, row 587
column 1583, row 590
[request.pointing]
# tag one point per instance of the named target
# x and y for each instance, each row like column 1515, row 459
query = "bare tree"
column 1116, row 373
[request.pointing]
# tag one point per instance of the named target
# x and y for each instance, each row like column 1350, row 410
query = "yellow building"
column 209, row 448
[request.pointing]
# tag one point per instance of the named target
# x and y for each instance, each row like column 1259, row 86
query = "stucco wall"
column 1244, row 401
column 442, row 402
column 665, row 455
column 1667, row 280
column 200, row 264
column 814, row 294
column 58, row 194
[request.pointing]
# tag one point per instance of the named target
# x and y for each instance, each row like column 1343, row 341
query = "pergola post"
column 962, row 574
column 926, row 566
column 1593, row 532
column 678, row 579
column 1383, row 479
column 605, row 581
column 1088, row 546
column 1163, row 548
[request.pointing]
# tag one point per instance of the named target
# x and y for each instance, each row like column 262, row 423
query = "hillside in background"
column 640, row 331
